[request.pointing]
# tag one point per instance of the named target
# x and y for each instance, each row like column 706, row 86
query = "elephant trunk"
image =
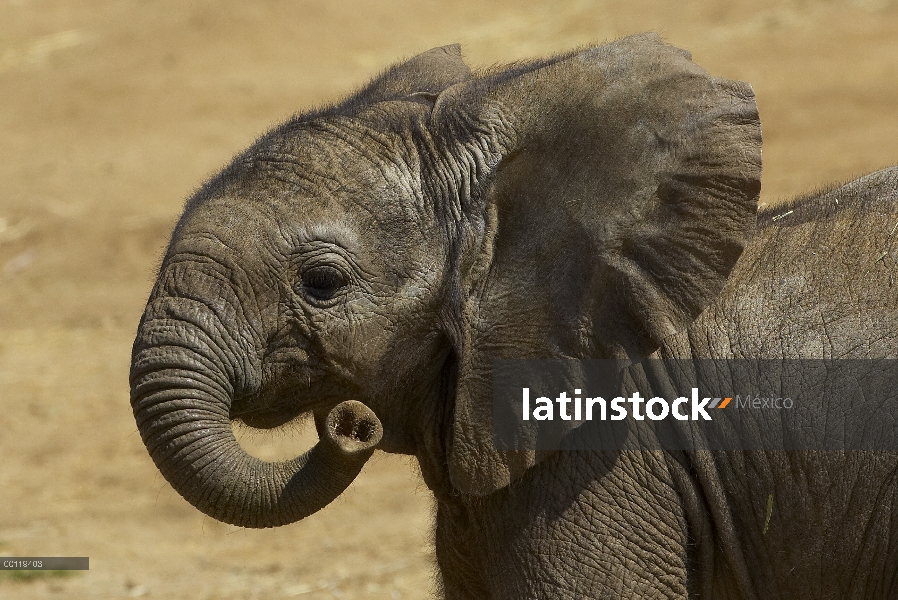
column 181, row 398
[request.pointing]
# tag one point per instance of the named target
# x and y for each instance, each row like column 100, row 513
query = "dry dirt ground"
column 112, row 112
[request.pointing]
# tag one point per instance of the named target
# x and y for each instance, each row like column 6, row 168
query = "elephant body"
column 367, row 262
column 814, row 283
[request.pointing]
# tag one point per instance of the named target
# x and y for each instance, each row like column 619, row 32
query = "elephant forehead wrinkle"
column 274, row 180
column 223, row 227
column 377, row 194
column 365, row 140
column 330, row 146
column 325, row 234
column 348, row 155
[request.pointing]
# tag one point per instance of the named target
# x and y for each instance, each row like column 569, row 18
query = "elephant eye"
column 322, row 282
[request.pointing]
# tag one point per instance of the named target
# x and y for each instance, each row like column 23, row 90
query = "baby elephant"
column 368, row 262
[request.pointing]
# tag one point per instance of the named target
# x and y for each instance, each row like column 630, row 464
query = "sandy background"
column 112, row 112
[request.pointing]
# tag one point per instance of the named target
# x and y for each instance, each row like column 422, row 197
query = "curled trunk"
column 181, row 398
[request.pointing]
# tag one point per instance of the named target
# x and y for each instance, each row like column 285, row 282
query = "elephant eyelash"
column 322, row 283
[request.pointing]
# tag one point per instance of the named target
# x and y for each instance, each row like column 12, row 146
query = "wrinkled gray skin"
column 367, row 261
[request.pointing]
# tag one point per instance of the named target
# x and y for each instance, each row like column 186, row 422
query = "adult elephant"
column 368, row 261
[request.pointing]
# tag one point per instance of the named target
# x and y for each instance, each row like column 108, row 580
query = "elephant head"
column 367, row 261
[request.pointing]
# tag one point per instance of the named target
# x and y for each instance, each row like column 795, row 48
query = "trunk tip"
column 353, row 427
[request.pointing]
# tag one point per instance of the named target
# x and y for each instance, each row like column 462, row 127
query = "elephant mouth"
column 267, row 418
column 278, row 407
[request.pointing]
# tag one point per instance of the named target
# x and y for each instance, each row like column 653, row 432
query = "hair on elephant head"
column 378, row 254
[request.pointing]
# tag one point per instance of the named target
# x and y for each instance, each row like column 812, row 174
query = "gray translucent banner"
column 44, row 563
column 695, row 405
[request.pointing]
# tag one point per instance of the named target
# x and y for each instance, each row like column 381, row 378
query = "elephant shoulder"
column 875, row 193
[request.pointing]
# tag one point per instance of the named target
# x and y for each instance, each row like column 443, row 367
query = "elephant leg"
column 579, row 525
column 459, row 555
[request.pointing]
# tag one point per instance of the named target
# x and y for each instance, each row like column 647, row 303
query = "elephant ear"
column 421, row 78
column 609, row 194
